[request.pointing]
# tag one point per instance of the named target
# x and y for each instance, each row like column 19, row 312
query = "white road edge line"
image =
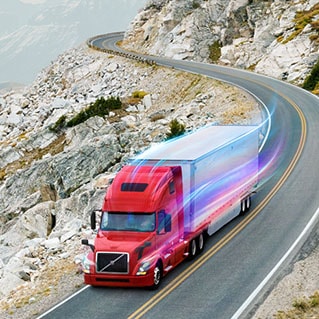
column 63, row 302
column 250, row 299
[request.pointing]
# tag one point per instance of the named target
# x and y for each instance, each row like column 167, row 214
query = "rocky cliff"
column 272, row 37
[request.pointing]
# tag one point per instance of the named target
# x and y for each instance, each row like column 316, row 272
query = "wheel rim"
column 243, row 206
column 200, row 241
column 157, row 276
column 248, row 203
column 193, row 247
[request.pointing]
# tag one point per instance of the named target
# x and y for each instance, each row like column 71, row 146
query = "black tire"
column 248, row 203
column 245, row 205
column 157, row 276
column 242, row 207
column 192, row 249
column 200, row 242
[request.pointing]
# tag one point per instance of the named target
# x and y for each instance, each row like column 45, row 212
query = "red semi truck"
column 160, row 208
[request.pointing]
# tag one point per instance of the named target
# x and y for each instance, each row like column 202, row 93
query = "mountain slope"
column 276, row 38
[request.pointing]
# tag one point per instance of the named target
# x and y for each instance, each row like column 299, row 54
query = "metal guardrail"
column 129, row 55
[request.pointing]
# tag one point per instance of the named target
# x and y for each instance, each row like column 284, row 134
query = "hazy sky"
column 35, row 32
column 33, row 1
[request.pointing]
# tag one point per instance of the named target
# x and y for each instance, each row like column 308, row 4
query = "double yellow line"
column 213, row 250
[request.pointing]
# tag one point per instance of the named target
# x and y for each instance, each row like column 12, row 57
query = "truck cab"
column 140, row 233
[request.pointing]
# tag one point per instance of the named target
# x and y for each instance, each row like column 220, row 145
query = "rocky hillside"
column 272, row 37
column 52, row 177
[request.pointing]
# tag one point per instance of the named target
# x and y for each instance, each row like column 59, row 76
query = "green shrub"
column 196, row 5
column 77, row 119
column 100, row 107
column 176, row 129
column 59, row 124
column 214, row 51
column 313, row 79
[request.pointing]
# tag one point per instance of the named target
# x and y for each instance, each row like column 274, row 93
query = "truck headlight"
column 86, row 264
column 144, row 268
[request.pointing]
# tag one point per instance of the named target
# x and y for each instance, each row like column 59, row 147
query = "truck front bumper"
column 119, row 281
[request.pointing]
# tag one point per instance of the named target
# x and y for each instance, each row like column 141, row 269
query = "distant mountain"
column 34, row 32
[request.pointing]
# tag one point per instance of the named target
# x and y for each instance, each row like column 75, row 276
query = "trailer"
column 161, row 207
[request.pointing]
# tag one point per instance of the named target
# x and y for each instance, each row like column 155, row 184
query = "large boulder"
column 64, row 172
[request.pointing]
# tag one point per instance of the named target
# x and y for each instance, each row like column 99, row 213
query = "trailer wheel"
column 242, row 207
column 248, row 203
column 192, row 249
column 200, row 242
column 245, row 205
column 157, row 276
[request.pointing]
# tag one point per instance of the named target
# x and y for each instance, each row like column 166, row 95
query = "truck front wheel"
column 157, row 276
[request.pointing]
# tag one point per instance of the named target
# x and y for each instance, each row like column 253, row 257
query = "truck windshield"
column 124, row 221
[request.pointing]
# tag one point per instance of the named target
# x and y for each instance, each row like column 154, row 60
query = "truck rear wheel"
column 200, row 243
column 192, row 249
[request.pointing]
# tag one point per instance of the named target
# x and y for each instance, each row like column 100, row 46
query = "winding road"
column 244, row 259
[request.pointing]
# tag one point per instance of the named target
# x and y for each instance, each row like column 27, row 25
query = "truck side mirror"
column 86, row 242
column 95, row 218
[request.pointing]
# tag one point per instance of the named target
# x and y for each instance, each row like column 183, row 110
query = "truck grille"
column 112, row 263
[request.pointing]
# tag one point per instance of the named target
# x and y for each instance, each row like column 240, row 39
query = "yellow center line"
column 227, row 238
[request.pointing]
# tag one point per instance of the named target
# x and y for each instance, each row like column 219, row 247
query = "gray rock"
column 24, row 275
column 8, row 282
column 52, row 243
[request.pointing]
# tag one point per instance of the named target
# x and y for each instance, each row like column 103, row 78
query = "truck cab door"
column 168, row 242
column 164, row 239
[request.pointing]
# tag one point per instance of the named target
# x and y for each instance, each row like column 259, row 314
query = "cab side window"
column 164, row 222
column 171, row 187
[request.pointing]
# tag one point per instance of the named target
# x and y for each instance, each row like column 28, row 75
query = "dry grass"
column 302, row 19
column 304, row 308
column 232, row 116
column 54, row 148
column 135, row 98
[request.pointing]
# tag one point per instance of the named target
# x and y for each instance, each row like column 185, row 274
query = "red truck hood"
column 121, row 241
